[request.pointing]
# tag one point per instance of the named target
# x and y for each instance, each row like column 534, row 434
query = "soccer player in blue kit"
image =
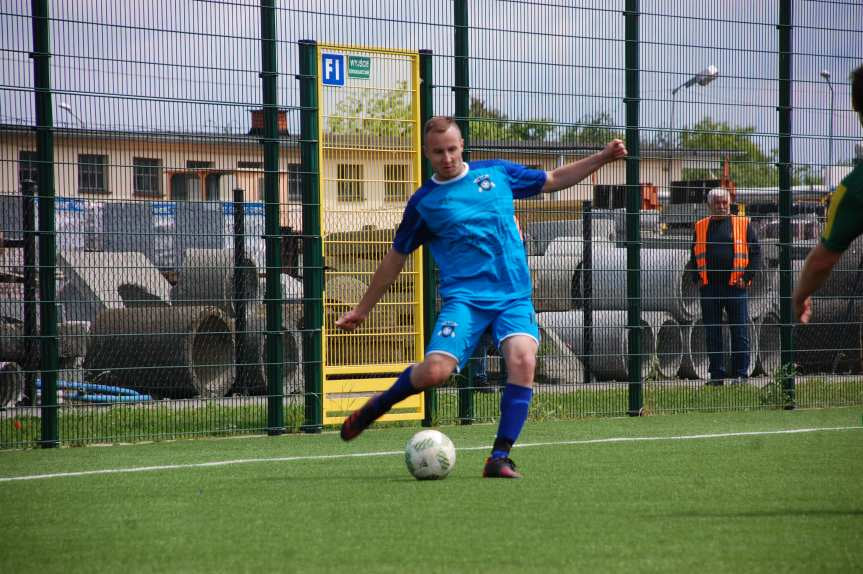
column 465, row 215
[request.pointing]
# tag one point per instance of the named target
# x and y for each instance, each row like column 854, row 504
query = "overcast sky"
column 193, row 66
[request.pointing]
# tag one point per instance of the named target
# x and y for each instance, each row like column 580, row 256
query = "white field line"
column 401, row 453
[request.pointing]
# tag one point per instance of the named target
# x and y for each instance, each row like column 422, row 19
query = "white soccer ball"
column 430, row 455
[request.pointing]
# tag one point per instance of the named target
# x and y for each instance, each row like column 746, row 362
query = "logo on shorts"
column 484, row 182
column 448, row 329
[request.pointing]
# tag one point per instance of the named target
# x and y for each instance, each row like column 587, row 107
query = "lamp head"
column 707, row 75
column 825, row 74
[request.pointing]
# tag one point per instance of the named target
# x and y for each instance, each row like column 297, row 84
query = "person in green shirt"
column 844, row 224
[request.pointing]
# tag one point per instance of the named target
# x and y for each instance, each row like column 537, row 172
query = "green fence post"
column 313, row 259
column 429, row 287
column 462, row 112
column 633, row 212
column 50, row 356
column 462, row 73
column 785, row 208
column 273, row 297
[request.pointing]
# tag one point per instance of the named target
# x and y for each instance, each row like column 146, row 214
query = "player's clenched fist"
column 350, row 320
column 615, row 149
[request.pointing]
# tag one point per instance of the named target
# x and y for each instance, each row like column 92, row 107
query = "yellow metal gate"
column 369, row 166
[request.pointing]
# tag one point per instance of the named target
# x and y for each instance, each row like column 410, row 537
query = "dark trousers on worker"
column 734, row 301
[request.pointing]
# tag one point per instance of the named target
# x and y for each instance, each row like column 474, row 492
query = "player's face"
column 720, row 206
column 443, row 150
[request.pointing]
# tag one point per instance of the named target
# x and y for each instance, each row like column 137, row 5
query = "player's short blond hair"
column 439, row 124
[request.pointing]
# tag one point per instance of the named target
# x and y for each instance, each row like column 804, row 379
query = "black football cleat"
column 500, row 468
column 360, row 420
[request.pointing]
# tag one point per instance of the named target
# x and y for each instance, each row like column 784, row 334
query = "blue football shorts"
column 460, row 325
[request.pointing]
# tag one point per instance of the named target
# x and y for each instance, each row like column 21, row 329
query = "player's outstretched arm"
column 387, row 272
column 572, row 173
column 816, row 270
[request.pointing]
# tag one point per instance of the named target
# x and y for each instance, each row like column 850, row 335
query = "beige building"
column 374, row 179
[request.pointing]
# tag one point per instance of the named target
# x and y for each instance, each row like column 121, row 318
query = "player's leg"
column 453, row 338
column 517, row 331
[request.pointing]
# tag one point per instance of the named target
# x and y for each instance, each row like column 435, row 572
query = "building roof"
column 648, row 150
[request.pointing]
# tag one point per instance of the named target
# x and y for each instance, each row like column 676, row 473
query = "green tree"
column 490, row 124
column 372, row 112
column 805, row 175
column 595, row 129
column 749, row 166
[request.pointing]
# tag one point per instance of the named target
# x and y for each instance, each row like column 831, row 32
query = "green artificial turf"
column 790, row 502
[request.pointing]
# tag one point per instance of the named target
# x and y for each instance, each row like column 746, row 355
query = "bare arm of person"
column 572, row 173
column 387, row 272
column 816, row 270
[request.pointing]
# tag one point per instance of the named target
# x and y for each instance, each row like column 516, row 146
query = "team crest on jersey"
column 448, row 329
column 484, row 182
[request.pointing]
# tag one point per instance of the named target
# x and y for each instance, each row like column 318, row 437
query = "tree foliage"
column 372, row 112
column 490, row 124
column 595, row 129
column 749, row 167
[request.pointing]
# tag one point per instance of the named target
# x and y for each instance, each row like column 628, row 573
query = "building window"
column 250, row 165
column 92, row 173
column 396, row 182
column 295, row 183
column 148, row 176
column 349, row 186
column 28, row 168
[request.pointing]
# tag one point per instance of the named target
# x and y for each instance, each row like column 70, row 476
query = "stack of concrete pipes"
column 197, row 344
column 673, row 336
column 831, row 341
column 207, row 278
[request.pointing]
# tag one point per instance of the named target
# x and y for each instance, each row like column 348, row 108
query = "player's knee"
column 434, row 371
column 522, row 362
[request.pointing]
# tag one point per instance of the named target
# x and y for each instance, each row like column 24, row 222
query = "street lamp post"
column 829, row 171
column 702, row 78
column 67, row 108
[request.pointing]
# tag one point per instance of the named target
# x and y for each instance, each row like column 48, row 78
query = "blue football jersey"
column 468, row 222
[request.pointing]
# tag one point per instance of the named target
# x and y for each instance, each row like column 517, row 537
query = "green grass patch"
column 738, row 503
column 162, row 420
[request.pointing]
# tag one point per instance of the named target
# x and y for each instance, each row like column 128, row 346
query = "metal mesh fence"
column 173, row 265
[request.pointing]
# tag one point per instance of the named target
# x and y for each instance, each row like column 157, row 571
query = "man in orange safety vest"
column 725, row 256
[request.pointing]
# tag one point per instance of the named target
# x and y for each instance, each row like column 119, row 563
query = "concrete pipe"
column 763, row 293
column 252, row 364
column 11, row 384
column 539, row 236
column 769, row 356
column 669, row 343
column 696, row 362
column 664, row 285
column 13, row 344
column 830, row 342
column 166, row 352
column 610, row 341
column 207, row 278
column 846, row 277
column 555, row 362
column 552, row 278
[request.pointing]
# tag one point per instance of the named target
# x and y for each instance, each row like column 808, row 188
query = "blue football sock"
column 399, row 391
column 514, row 405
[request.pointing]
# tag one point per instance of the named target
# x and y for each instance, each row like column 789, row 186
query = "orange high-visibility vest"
column 739, row 226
